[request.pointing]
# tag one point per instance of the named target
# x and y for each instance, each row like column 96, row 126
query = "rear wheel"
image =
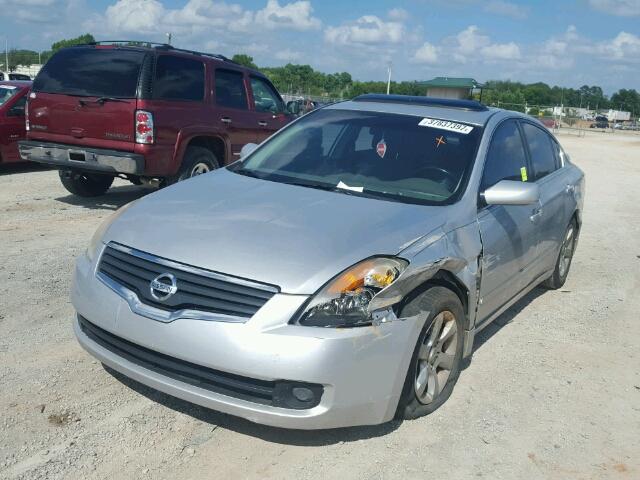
column 85, row 184
column 563, row 263
column 197, row 161
column 437, row 356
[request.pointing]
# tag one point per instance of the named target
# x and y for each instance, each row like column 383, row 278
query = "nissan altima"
column 338, row 273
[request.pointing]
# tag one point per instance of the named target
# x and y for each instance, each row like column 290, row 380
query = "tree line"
column 304, row 80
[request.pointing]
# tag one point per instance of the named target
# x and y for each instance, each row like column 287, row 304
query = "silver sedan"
column 337, row 274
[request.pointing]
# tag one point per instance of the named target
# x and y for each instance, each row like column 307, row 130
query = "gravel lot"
column 553, row 390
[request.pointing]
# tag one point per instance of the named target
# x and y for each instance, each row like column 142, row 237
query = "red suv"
column 151, row 112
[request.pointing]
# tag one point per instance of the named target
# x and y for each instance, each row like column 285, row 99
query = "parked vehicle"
column 6, row 76
column 13, row 96
column 601, row 122
column 338, row 274
column 144, row 112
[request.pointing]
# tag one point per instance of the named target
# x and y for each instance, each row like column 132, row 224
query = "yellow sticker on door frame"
column 523, row 173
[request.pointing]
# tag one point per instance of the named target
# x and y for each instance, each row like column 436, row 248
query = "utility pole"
column 6, row 54
column 389, row 78
column 168, row 38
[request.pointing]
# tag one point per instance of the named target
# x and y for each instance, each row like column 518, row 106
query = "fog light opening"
column 303, row 394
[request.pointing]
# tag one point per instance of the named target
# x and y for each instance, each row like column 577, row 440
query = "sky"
column 561, row 42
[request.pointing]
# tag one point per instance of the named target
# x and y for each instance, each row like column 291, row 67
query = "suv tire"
column 85, row 184
column 437, row 357
column 197, row 160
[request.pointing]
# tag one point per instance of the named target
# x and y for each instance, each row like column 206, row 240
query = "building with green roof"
column 451, row 87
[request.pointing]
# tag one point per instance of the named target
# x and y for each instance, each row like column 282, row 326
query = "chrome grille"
column 197, row 289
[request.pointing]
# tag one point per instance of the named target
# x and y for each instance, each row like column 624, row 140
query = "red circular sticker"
column 381, row 148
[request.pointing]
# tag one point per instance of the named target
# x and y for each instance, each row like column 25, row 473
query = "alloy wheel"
column 199, row 169
column 566, row 252
column 436, row 357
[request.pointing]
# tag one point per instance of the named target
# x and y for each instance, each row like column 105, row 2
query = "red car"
column 13, row 96
column 145, row 113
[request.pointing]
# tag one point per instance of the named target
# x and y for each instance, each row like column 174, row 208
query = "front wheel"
column 565, row 256
column 85, row 184
column 197, row 161
column 437, row 357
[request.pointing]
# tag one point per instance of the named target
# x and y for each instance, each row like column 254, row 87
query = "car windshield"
column 388, row 156
column 6, row 92
column 99, row 72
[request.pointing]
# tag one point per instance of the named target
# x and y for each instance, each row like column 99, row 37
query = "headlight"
column 344, row 301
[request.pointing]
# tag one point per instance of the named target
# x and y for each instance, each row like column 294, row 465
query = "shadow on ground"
column 307, row 438
column 115, row 198
column 21, row 167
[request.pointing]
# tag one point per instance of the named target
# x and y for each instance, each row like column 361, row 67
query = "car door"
column 232, row 109
column 268, row 108
column 508, row 232
column 12, row 129
column 553, row 219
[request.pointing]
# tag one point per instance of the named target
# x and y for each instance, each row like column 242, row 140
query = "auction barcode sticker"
column 446, row 125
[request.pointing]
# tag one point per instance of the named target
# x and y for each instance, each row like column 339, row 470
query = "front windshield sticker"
column 523, row 173
column 445, row 125
column 381, row 148
column 344, row 186
column 440, row 141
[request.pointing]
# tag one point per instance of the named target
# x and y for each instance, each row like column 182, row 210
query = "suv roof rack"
column 159, row 46
column 424, row 101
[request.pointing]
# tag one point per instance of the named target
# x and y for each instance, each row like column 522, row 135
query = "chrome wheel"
column 566, row 253
column 436, row 357
column 199, row 169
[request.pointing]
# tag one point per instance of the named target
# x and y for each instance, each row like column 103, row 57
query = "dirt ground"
column 552, row 391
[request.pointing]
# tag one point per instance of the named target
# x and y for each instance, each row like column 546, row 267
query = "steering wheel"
column 443, row 176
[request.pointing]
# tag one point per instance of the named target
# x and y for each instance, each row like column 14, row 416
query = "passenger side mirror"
column 293, row 107
column 247, row 149
column 510, row 192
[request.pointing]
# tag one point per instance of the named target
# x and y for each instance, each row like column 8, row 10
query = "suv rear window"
column 93, row 72
column 178, row 78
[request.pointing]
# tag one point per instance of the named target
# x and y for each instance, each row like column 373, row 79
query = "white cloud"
column 399, row 14
column 501, row 51
column 469, row 41
column 135, row 15
column 509, row 9
column 288, row 55
column 623, row 8
column 368, row 30
column 295, row 16
column 625, row 46
column 427, row 53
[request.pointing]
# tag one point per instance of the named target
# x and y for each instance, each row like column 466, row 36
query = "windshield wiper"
column 101, row 101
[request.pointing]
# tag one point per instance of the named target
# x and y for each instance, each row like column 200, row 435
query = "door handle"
column 535, row 214
column 262, row 123
column 226, row 120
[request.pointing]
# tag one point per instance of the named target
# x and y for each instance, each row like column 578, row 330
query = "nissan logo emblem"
column 163, row 286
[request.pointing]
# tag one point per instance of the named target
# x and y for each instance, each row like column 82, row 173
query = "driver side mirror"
column 293, row 107
column 510, row 192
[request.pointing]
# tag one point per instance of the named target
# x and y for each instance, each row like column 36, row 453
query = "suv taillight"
column 144, row 127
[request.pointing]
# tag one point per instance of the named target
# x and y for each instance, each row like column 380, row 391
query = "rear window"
column 178, row 78
column 91, row 72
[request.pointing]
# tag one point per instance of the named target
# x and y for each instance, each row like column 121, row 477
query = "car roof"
column 16, row 83
column 464, row 111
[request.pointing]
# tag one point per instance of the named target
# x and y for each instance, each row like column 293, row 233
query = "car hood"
column 294, row 237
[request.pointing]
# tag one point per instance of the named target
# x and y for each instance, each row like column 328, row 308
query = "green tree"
column 82, row 39
column 243, row 59
column 627, row 100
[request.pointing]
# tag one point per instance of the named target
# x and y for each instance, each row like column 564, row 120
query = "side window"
column 543, row 157
column 178, row 78
column 264, row 97
column 230, row 91
column 506, row 158
column 364, row 140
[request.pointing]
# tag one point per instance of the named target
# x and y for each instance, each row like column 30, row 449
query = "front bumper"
column 361, row 370
column 82, row 158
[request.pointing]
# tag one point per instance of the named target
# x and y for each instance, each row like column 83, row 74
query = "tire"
column 565, row 256
column 445, row 314
column 196, row 161
column 85, row 184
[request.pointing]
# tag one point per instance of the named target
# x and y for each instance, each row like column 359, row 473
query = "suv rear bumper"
column 95, row 159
